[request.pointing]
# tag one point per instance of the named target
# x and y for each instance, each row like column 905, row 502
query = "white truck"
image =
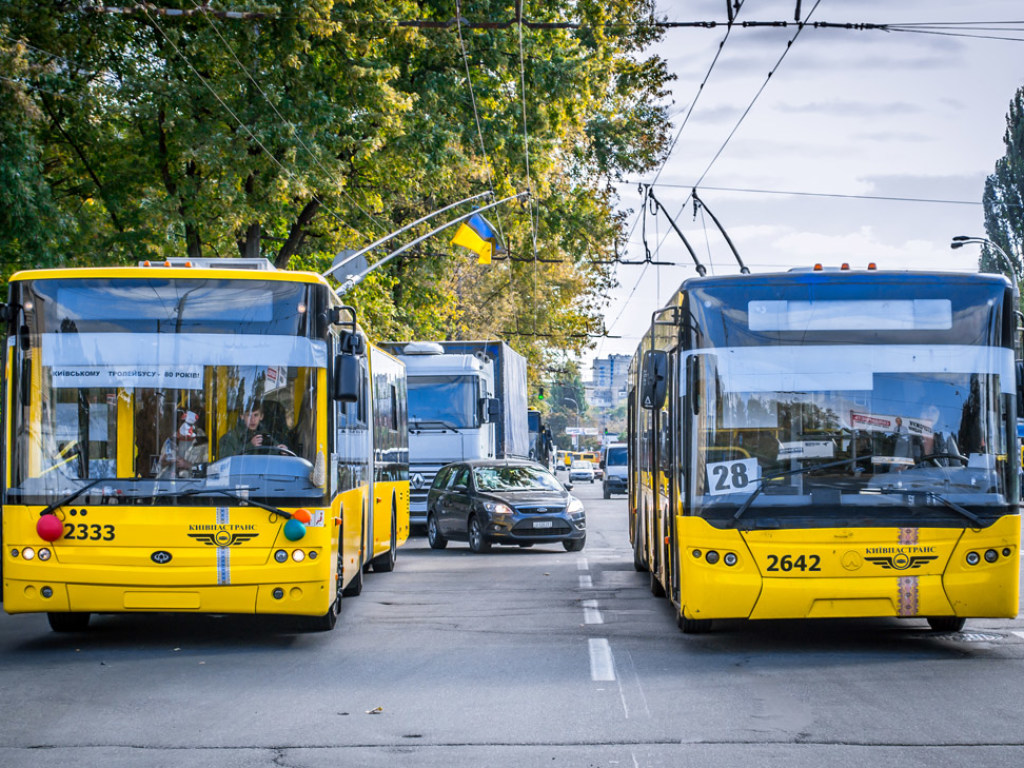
column 467, row 400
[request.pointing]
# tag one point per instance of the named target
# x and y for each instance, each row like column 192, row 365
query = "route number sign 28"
column 732, row 476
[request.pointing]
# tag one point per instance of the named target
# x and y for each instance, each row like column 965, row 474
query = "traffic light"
column 540, row 393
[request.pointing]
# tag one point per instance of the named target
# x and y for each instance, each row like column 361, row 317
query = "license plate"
column 542, row 524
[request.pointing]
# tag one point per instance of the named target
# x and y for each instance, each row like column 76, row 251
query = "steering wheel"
column 267, row 448
column 933, row 457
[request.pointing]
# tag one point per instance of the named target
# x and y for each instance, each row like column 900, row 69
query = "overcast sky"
column 847, row 113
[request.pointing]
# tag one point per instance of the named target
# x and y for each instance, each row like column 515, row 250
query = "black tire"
column 385, row 563
column 946, row 623
column 475, row 533
column 326, row 622
column 693, row 626
column 575, row 545
column 435, row 538
column 355, row 587
column 639, row 565
column 607, row 493
column 657, row 589
column 68, row 622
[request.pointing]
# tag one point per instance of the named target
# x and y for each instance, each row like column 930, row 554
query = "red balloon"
column 49, row 528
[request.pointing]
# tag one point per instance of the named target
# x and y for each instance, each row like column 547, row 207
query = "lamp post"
column 576, row 408
column 961, row 240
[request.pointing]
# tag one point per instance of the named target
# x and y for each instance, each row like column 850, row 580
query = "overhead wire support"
column 335, row 267
column 698, row 204
column 701, row 269
column 355, row 280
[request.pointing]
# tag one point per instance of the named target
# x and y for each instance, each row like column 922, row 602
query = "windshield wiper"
column 942, row 500
column 440, row 423
column 777, row 475
column 242, row 499
column 72, row 496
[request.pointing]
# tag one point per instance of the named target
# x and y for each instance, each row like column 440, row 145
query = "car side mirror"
column 567, row 486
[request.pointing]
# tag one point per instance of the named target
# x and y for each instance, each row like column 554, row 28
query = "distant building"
column 607, row 389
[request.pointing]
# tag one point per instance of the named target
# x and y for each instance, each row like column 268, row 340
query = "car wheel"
column 575, row 545
column 477, row 542
column 68, row 622
column 435, row 538
column 607, row 493
column 946, row 623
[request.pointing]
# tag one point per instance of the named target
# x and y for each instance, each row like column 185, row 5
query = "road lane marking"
column 602, row 668
column 582, row 564
column 1018, row 634
column 591, row 615
column 586, row 582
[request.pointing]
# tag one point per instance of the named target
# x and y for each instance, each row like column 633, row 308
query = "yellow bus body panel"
column 849, row 572
column 387, row 493
column 214, row 567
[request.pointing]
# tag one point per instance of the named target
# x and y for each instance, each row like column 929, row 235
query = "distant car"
column 581, row 470
column 616, row 465
column 510, row 502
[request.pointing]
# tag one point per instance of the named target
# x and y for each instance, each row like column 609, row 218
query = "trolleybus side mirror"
column 346, row 378
column 1020, row 389
column 351, row 343
column 654, row 380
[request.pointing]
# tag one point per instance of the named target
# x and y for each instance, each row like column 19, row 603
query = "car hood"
column 552, row 499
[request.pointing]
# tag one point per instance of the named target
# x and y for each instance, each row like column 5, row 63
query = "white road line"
column 1018, row 634
column 591, row 615
column 602, row 668
column 582, row 564
column 586, row 582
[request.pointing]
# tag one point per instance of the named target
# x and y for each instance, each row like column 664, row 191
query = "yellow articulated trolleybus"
column 211, row 437
column 829, row 444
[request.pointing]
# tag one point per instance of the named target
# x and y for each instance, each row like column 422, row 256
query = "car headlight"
column 498, row 509
column 575, row 508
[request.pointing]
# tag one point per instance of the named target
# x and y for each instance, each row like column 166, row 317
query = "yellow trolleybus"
column 212, row 436
column 829, row 444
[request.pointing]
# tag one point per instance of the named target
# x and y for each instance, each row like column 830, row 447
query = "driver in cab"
column 249, row 435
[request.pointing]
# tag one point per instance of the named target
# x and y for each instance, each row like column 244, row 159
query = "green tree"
column 1004, row 195
column 296, row 130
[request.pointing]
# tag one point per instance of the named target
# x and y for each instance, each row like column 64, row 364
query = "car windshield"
column 514, row 479
column 617, row 457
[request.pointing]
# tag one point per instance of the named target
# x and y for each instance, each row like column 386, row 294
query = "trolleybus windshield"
column 834, row 405
column 166, row 389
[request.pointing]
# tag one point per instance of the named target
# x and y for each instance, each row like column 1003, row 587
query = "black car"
column 511, row 502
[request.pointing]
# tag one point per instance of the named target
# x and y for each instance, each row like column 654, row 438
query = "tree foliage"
column 1004, row 194
column 307, row 127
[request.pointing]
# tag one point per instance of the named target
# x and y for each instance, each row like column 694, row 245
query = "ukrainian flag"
column 479, row 236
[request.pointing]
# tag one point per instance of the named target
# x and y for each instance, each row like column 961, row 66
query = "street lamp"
column 961, row 240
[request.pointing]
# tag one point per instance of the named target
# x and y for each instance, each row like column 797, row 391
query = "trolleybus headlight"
column 46, row 591
column 298, row 555
column 697, row 553
column 711, row 556
column 281, row 556
column 44, row 554
column 1006, row 552
column 313, row 554
column 278, row 593
column 729, row 559
column 973, row 558
column 991, row 555
column 28, row 553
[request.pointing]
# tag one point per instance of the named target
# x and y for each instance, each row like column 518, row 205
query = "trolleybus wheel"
column 68, row 622
column 638, row 562
column 435, row 538
column 693, row 626
column 385, row 563
column 656, row 586
column 946, row 623
column 326, row 622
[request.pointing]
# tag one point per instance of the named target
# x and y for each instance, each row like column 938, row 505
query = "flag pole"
column 355, row 280
column 335, row 267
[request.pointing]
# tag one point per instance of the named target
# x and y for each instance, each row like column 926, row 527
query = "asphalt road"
column 521, row 657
